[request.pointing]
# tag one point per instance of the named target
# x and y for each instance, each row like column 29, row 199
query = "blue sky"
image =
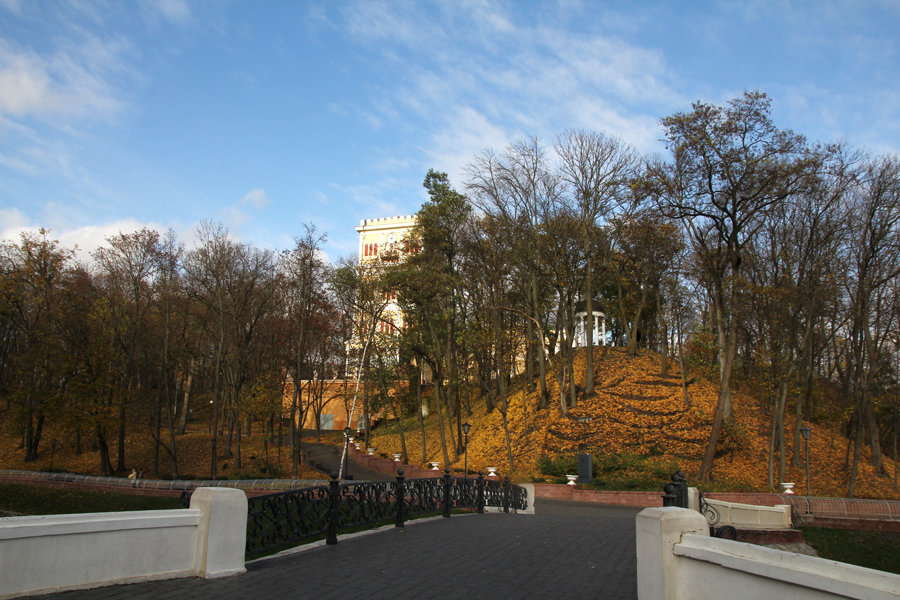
column 266, row 115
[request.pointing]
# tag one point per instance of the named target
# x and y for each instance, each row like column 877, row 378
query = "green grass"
column 872, row 549
column 39, row 500
column 625, row 471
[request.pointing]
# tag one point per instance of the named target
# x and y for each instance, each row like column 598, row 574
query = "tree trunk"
column 238, row 465
column 120, row 457
column 796, row 459
column 419, row 403
column 529, row 355
column 186, row 405
column 874, row 436
column 723, row 405
column 896, row 423
column 103, row 448
column 229, row 436
column 664, row 366
column 589, row 324
column 457, row 443
column 633, row 330
column 295, row 439
column 570, row 366
column 687, row 402
column 542, row 361
column 30, row 440
column 782, row 450
column 772, row 433
column 854, row 469
column 727, row 343
column 217, row 391
column 437, row 394
column 157, row 435
column 400, row 430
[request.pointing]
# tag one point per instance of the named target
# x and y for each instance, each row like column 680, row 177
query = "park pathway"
column 327, row 459
column 565, row 550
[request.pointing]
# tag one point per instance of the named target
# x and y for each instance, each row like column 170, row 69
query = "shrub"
column 558, row 466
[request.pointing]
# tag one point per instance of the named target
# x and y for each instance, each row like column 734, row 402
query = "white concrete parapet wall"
column 40, row 554
column 745, row 516
column 677, row 560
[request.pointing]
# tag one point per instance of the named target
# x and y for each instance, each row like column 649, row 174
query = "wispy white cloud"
column 17, row 163
column 12, row 221
column 452, row 148
column 383, row 21
column 177, row 11
column 13, row 6
column 237, row 218
column 234, row 218
column 68, row 82
column 386, row 196
column 640, row 130
column 476, row 77
column 85, row 239
column 257, row 198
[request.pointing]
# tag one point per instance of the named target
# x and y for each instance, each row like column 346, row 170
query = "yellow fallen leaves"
column 637, row 411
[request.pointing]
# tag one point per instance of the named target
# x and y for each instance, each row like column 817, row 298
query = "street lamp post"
column 466, row 427
column 805, row 431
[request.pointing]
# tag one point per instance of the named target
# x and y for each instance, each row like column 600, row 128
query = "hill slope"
column 641, row 417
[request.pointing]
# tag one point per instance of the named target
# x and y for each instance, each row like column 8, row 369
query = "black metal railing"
column 728, row 532
column 676, row 494
column 285, row 519
column 297, row 514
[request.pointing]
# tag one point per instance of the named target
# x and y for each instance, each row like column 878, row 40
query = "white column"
column 222, row 533
column 658, row 530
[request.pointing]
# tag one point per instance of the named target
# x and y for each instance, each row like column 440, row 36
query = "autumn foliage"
column 260, row 460
column 638, row 412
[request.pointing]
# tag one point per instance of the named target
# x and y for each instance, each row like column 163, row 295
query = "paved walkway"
column 566, row 550
column 327, row 459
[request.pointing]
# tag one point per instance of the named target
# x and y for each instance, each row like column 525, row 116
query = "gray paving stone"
column 566, row 550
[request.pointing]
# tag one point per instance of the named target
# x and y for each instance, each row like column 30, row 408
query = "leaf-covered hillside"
column 638, row 413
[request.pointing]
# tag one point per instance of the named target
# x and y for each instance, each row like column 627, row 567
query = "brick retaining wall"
column 573, row 493
column 849, row 523
column 388, row 466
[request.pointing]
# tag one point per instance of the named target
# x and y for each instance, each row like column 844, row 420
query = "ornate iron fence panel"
column 283, row 519
column 423, row 496
column 518, row 497
column 493, row 493
column 363, row 504
column 280, row 520
column 462, row 493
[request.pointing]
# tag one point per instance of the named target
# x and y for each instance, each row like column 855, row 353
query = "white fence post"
column 222, row 534
column 657, row 532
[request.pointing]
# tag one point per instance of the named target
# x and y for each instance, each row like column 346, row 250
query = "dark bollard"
column 447, row 483
column 669, row 497
column 334, row 503
column 479, row 498
column 681, row 488
column 400, row 494
column 585, row 468
column 676, row 493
